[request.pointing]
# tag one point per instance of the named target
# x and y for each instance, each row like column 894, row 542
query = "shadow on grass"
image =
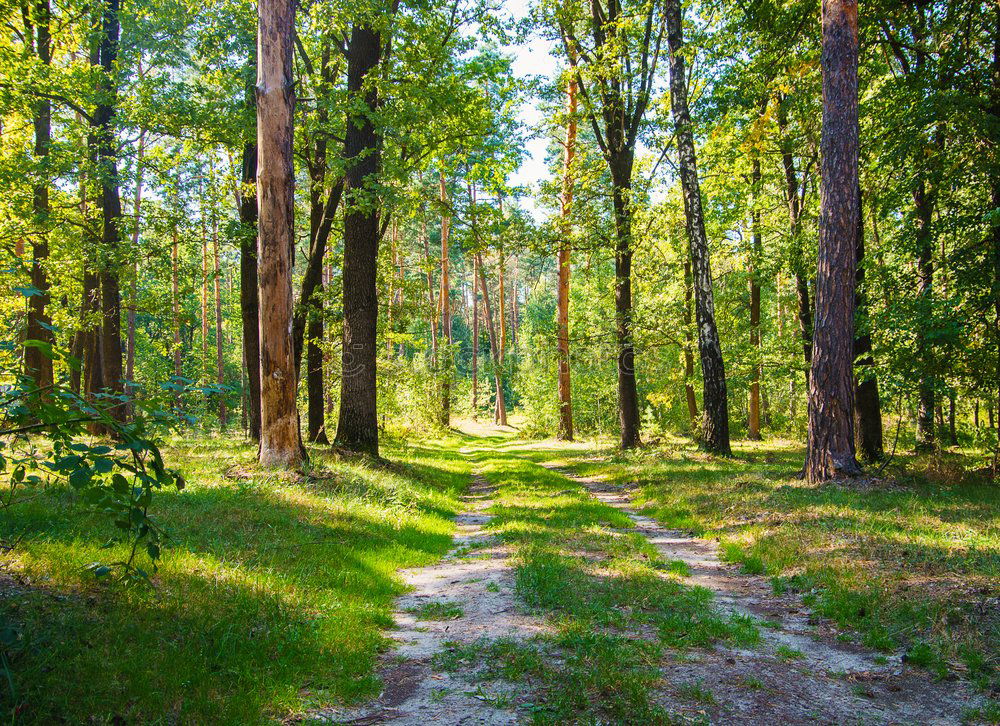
column 271, row 596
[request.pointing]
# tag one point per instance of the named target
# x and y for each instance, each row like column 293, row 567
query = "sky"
column 532, row 58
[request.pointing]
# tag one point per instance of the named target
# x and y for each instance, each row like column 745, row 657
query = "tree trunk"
column 475, row 334
column 248, row 287
column 753, row 428
column 111, row 206
column 203, row 368
column 176, row 309
column 37, row 364
column 220, row 368
column 952, row 432
column 501, row 406
column 867, row 409
column 280, row 444
column 432, row 305
column 995, row 194
column 692, row 401
column 133, row 282
column 565, row 431
column 446, row 368
column 830, row 450
column 715, row 423
column 314, row 371
column 923, row 202
column 798, row 264
column 357, row 427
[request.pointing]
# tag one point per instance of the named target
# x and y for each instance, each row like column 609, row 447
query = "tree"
column 615, row 74
column 565, row 430
column 715, row 422
column 280, row 444
column 357, row 426
column 830, row 447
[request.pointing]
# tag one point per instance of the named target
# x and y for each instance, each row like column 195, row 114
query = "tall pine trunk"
column 357, row 426
column 689, row 395
column 565, row 431
column 280, row 444
column 923, row 201
column 249, row 306
column 220, row 369
column 715, row 422
column 830, row 450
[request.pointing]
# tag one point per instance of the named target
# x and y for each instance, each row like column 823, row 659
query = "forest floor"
column 563, row 603
column 566, row 583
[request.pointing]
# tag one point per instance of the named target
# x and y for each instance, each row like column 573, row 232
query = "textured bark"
column 111, row 206
column 249, row 307
column 37, row 364
column 357, row 427
column 280, row 444
column 475, row 333
column 995, row 236
column 565, row 431
column 501, row 405
column 628, row 397
column 830, row 450
column 432, row 305
column 867, row 408
column 692, row 400
column 316, row 428
column 753, row 427
column 715, row 422
column 203, row 368
column 446, row 369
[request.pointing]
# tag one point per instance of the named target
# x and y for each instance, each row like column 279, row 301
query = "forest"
column 499, row 361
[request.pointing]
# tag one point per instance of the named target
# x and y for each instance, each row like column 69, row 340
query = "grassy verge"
column 270, row 598
column 614, row 603
column 910, row 564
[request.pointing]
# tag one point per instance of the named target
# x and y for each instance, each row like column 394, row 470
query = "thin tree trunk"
column 995, row 199
column 203, row 368
column 923, row 202
column 715, row 422
column 867, row 409
column 176, row 309
column 446, row 371
column 357, row 427
column 475, row 335
column 952, row 431
column 37, row 364
column 220, row 368
column 753, row 429
column 830, row 450
column 249, row 308
column 133, row 282
column 280, row 443
column 692, row 401
column 565, row 431
column 501, row 406
column 432, row 305
column 798, row 263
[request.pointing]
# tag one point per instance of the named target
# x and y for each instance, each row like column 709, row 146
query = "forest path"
column 441, row 669
column 800, row 672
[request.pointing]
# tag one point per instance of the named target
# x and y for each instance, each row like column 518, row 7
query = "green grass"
column 616, row 606
column 909, row 564
column 271, row 597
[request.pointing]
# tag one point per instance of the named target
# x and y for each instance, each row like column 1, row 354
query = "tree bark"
column 357, row 427
column 867, row 409
column 565, row 430
column 176, row 310
column 111, row 206
column 280, row 443
column 203, row 368
column 830, row 450
column 692, row 401
column 924, row 204
column 133, row 282
column 37, row 364
column 446, row 368
column 249, row 305
column 501, row 405
column 715, row 423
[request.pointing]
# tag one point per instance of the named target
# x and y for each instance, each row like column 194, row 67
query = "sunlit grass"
column 271, row 596
column 911, row 562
